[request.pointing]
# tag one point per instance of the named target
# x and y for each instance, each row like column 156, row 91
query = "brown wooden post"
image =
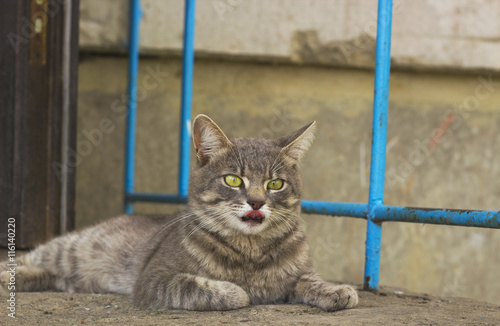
column 38, row 85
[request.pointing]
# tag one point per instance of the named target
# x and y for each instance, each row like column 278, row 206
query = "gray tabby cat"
column 239, row 242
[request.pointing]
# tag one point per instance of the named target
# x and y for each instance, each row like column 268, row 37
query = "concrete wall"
column 460, row 112
column 427, row 34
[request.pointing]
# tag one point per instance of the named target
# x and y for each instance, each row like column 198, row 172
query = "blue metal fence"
column 375, row 212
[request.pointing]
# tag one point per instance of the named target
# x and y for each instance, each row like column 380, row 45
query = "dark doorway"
column 38, row 87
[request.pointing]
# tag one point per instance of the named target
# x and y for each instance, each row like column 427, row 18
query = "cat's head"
column 243, row 185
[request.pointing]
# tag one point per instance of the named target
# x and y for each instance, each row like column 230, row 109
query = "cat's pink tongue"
column 254, row 214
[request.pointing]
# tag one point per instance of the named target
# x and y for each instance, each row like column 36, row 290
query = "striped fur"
column 207, row 257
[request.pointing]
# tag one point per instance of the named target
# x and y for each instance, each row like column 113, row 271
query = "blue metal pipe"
column 187, row 90
column 156, row 198
column 372, row 255
column 379, row 140
column 386, row 213
column 133, row 67
column 486, row 219
column 335, row 208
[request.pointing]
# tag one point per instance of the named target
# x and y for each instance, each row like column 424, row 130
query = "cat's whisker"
column 283, row 216
column 241, row 159
column 288, row 211
column 274, row 220
column 275, row 160
column 182, row 217
column 281, row 222
column 279, row 166
column 288, row 214
column 239, row 154
column 195, row 229
column 278, row 162
column 214, row 214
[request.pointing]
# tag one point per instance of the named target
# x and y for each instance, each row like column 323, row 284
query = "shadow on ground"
column 389, row 307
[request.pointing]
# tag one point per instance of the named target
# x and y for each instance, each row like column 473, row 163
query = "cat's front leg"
column 189, row 292
column 310, row 289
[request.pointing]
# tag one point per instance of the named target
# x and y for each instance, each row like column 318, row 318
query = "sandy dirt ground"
column 389, row 307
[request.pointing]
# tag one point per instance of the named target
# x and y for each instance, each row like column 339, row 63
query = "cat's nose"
column 255, row 204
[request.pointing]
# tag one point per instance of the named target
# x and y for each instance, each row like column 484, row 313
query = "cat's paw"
column 25, row 279
column 336, row 297
column 227, row 296
column 5, row 279
column 191, row 292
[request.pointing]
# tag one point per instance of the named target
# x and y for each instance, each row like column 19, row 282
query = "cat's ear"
column 297, row 143
column 209, row 140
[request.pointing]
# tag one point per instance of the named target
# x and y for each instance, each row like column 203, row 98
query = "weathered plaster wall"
column 249, row 100
column 427, row 34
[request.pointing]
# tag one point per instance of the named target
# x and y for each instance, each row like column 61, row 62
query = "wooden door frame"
column 38, row 89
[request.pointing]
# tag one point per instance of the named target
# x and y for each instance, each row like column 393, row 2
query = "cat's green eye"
column 275, row 184
column 233, row 180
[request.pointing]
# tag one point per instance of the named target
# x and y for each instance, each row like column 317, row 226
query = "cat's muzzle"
column 253, row 217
